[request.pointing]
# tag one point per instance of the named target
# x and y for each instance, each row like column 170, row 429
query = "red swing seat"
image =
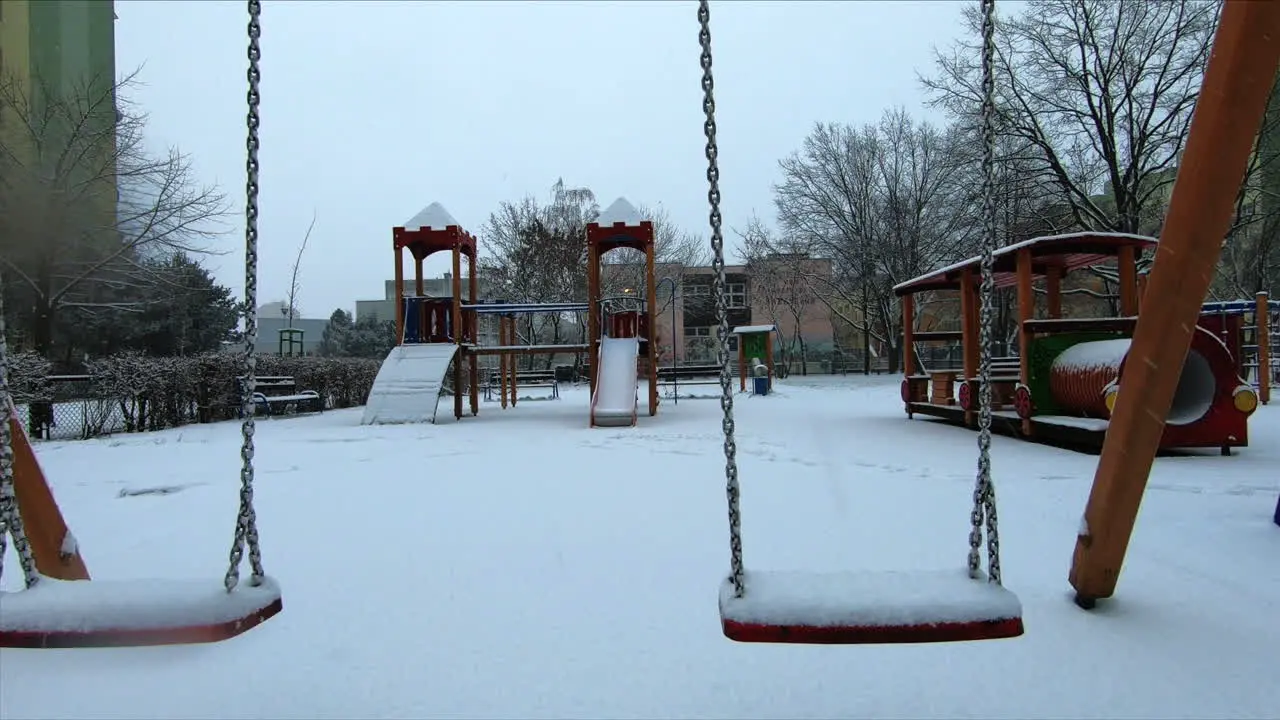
column 93, row 613
column 855, row 608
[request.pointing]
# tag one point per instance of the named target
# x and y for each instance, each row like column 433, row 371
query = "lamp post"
column 675, row 361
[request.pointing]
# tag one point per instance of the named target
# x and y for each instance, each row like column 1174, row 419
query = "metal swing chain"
column 984, row 494
column 246, row 519
column 722, row 311
column 10, row 516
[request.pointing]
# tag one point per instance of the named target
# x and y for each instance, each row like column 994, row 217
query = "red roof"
column 1066, row 252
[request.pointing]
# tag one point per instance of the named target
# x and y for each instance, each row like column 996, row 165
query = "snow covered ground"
column 519, row 564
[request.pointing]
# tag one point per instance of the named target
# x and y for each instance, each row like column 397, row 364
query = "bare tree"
column 535, row 252
column 295, row 285
column 883, row 204
column 1251, row 257
column 782, row 274
column 1099, row 94
column 83, row 203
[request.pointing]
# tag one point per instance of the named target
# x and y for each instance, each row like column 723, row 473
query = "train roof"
column 1066, row 252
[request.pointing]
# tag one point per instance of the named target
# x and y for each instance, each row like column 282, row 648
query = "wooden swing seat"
column 868, row 608
column 93, row 613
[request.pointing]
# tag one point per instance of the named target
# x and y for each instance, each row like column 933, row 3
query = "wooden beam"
column 399, row 295
column 474, row 322
column 908, row 334
column 47, row 530
column 1262, row 325
column 458, row 365
column 969, row 330
column 651, row 287
column 1053, row 292
column 1232, row 100
column 1026, row 311
column 527, row 349
column 1127, row 263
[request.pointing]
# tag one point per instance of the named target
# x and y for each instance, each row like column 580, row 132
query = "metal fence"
column 72, row 407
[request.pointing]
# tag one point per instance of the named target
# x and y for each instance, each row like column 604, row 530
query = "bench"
column 675, row 377
column 524, row 378
column 695, row 374
column 281, row 391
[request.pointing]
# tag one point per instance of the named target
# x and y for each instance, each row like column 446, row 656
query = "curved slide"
column 407, row 388
column 614, row 404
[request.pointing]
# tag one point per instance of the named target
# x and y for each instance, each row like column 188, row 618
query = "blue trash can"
column 760, row 385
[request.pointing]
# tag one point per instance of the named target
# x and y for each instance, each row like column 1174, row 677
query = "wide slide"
column 614, row 404
column 407, row 388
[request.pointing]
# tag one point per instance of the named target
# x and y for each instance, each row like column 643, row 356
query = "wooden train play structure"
column 438, row 350
column 1063, row 382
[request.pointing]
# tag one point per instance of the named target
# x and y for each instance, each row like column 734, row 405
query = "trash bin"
column 760, row 385
column 759, row 377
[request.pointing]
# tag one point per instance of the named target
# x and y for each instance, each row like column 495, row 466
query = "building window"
column 700, row 344
column 736, row 297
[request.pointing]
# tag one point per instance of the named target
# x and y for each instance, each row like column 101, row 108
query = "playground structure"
column 1251, row 331
column 755, row 342
column 437, row 337
column 1063, row 384
column 771, row 607
column 1151, row 352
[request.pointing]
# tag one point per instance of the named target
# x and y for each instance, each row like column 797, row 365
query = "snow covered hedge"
column 131, row 392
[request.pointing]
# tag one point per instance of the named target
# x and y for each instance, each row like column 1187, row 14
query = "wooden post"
column 593, row 315
column 46, row 528
column 1128, row 266
column 503, row 359
column 474, row 335
column 399, row 295
column 418, row 288
column 768, row 356
column 1026, row 311
column 1142, row 290
column 1262, row 330
column 651, row 287
column 742, row 364
column 1233, row 96
column 1053, row 293
column 459, row 360
column 969, row 333
column 908, row 335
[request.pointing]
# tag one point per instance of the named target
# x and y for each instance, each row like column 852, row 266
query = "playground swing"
column 889, row 607
column 77, row 612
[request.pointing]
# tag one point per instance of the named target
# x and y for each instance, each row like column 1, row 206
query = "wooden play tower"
column 424, row 319
column 620, row 226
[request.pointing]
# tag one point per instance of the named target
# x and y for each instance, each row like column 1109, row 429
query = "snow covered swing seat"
column 856, row 608
column 96, row 613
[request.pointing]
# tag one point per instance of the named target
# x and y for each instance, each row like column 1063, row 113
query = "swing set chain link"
column 10, row 516
column 984, row 499
column 732, row 488
column 246, row 519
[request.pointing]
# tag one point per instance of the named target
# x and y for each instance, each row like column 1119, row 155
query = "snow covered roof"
column 1071, row 251
column 620, row 211
column 431, row 217
column 744, row 329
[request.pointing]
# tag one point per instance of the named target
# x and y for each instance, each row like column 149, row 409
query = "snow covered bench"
column 279, row 394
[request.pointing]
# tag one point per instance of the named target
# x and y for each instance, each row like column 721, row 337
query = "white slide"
column 614, row 404
column 407, row 388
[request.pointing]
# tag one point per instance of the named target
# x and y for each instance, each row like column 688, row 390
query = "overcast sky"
column 373, row 110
